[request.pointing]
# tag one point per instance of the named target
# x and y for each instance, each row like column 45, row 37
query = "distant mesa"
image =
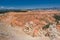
column 2, row 10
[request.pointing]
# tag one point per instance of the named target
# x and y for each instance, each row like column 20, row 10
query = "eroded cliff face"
column 31, row 25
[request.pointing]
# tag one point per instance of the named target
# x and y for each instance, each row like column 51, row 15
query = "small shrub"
column 46, row 26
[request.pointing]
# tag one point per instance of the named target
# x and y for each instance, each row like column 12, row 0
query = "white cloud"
column 1, row 6
column 10, row 8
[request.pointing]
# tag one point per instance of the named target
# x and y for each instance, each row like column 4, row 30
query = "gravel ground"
column 10, row 33
column 7, row 32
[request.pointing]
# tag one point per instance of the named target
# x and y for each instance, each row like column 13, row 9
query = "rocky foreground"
column 30, row 25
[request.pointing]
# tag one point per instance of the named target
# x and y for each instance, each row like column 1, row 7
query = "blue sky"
column 29, row 3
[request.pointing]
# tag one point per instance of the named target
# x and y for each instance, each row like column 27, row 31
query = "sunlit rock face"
column 30, row 25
